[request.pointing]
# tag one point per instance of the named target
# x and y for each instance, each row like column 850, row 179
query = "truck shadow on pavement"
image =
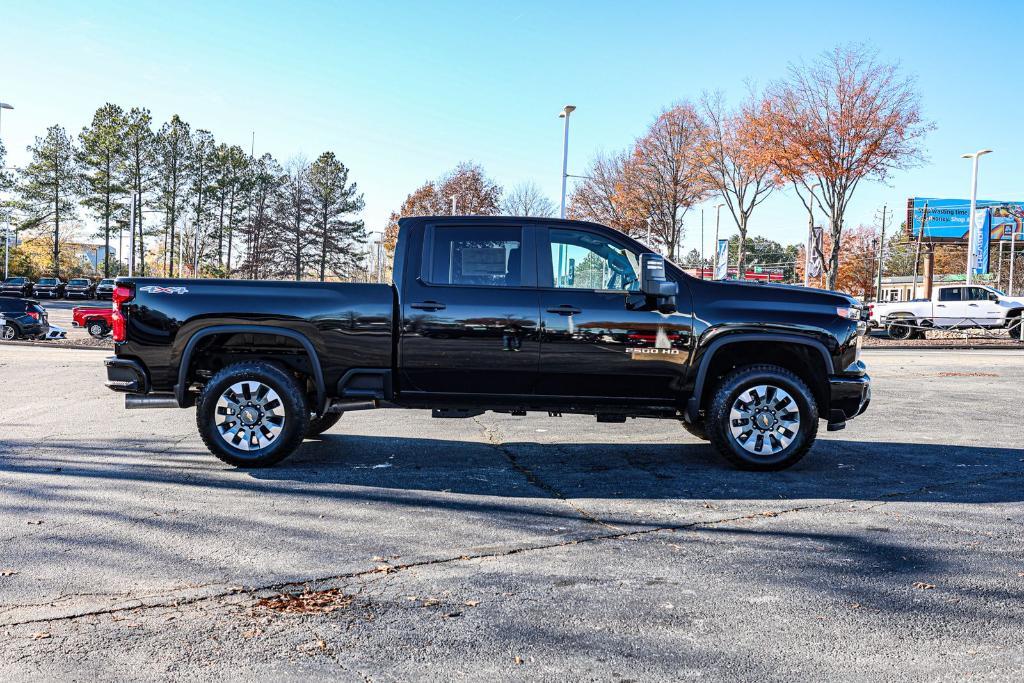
column 833, row 469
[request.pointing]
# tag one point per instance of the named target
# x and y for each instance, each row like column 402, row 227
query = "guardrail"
column 963, row 328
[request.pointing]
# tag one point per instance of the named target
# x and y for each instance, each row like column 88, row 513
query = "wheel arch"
column 806, row 357
column 304, row 342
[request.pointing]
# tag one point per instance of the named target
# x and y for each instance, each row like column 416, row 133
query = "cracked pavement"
column 513, row 548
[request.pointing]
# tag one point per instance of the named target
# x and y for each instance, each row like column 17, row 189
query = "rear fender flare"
column 700, row 379
column 314, row 357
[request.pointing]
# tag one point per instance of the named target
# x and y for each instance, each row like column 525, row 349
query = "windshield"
column 79, row 282
column 48, row 281
column 997, row 291
column 16, row 280
column 106, row 282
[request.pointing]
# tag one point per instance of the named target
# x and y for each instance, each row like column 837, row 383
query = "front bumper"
column 850, row 396
column 126, row 375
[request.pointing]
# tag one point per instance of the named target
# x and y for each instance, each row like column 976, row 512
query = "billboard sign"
column 947, row 219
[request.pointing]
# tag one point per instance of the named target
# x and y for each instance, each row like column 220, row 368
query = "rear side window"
column 951, row 294
column 489, row 257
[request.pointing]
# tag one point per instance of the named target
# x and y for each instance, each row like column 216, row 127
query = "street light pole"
column 971, row 246
column 718, row 220
column 568, row 109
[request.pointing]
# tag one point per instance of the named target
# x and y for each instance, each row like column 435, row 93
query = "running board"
column 136, row 401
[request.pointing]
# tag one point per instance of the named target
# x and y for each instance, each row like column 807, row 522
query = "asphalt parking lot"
column 398, row 547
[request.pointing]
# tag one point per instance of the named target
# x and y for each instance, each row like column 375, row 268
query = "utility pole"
column 718, row 219
column 881, row 257
column 455, row 204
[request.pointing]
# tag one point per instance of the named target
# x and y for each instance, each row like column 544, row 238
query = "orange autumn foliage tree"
column 836, row 122
column 735, row 166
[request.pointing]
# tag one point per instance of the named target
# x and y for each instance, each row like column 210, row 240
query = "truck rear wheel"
column 900, row 331
column 762, row 417
column 252, row 414
column 97, row 329
column 319, row 425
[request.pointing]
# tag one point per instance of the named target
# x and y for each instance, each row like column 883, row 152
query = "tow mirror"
column 654, row 283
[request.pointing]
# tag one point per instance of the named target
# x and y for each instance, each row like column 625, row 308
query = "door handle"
column 428, row 306
column 975, row 305
column 564, row 310
column 940, row 305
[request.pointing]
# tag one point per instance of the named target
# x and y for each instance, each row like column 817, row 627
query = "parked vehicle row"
column 55, row 288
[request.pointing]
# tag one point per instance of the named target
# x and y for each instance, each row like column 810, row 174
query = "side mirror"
column 992, row 296
column 654, row 284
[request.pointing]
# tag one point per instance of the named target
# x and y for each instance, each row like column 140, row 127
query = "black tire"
column 720, row 425
column 97, row 329
column 319, row 425
column 293, row 404
column 900, row 331
column 696, row 429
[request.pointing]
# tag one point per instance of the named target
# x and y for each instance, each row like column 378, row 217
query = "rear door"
column 601, row 337
column 470, row 318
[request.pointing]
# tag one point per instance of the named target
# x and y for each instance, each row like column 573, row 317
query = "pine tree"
column 266, row 181
column 334, row 202
column 172, row 145
column 137, row 172
column 201, row 171
column 100, row 154
column 49, row 186
column 230, row 167
column 294, row 210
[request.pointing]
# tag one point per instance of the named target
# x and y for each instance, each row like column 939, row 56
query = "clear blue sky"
column 403, row 91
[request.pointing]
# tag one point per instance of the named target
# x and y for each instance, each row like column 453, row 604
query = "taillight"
column 32, row 314
column 122, row 294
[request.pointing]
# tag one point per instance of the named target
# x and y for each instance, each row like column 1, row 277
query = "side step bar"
column 136, row 401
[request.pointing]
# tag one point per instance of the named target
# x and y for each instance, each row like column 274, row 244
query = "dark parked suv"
column 105, row 289
column 24, row 318
column 16, row 286
column 50, row 287
column 80, row 288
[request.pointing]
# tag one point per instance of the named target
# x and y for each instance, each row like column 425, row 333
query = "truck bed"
column 349, row 325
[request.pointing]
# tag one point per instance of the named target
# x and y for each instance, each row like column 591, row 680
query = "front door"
column 470, row 320
column 601, row 337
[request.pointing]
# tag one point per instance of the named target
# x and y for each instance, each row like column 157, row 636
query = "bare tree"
column 735, row 166
column 527, row 199
column 837, row 121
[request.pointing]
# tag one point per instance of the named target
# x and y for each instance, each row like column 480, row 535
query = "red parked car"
column 97, row 320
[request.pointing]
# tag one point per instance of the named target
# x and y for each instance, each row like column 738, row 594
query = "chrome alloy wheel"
column 250, row 415
column 764, row 419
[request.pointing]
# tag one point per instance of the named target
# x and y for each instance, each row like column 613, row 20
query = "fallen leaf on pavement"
column 251, row 633
column 519, row 660
column 923, row 586
column 11, row 572
column 471, row 603
column 307, row 602
column 37, row 522
column 40, row 635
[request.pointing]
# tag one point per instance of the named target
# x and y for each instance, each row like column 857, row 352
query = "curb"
column 45, row 345
column 948, row 347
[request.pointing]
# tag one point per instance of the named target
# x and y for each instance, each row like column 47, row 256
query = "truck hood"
column 786, row 293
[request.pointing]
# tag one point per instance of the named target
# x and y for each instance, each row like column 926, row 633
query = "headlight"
column 848, row 312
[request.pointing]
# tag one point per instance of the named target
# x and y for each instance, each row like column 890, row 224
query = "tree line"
column 203, row 207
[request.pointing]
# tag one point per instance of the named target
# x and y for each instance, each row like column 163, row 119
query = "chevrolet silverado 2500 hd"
column 502, row 314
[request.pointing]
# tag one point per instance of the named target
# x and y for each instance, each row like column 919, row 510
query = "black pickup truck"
column 503, row 314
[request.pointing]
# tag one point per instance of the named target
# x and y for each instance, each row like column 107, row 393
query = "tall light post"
column 971, row 246
column 718, row 220
column 4, row 105
column 566, row 110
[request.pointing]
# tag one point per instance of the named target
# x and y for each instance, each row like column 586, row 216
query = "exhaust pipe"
column 136, row 401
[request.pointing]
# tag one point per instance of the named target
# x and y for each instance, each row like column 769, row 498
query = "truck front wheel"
column 252, row 414
column 762, row 417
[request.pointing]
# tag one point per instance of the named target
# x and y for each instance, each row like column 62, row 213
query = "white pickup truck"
column 951, row 307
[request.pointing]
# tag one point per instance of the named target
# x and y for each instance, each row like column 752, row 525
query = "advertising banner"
column 814, row 252
column 982, row 226
column 946, row 219
column 722, row 261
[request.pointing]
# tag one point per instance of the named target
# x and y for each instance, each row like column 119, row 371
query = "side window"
column 477, row 256
column 583, row 260
column 977, row 294
column 951, row 294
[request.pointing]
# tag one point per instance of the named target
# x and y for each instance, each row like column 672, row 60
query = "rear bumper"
column 850, row 396
column 126, row 375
